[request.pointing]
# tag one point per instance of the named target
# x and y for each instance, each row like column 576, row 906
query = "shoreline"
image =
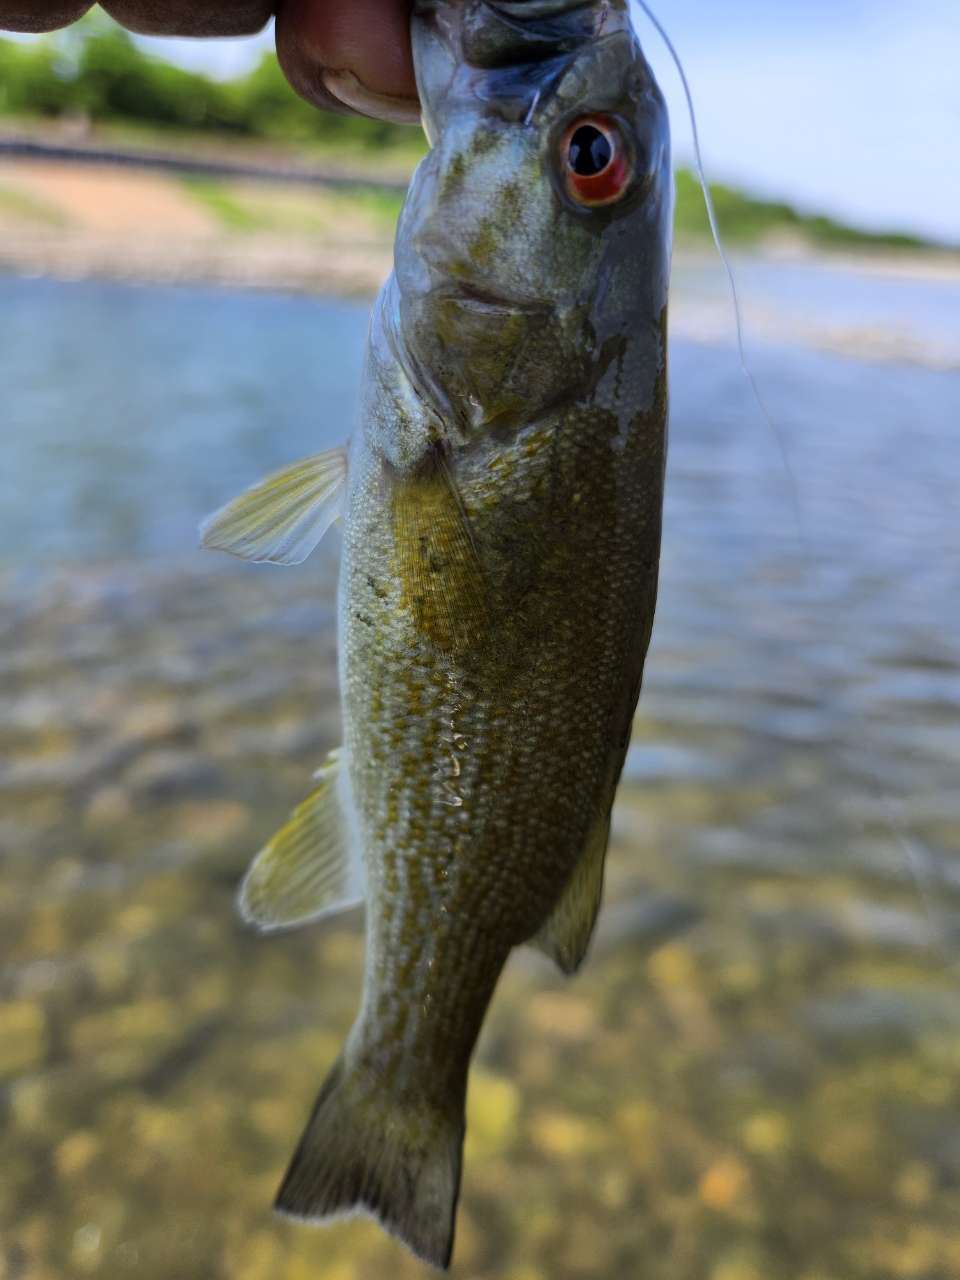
column 68, row 221
column 46, row 230
column 310, row 267
column 74, row 220
column 284, row 263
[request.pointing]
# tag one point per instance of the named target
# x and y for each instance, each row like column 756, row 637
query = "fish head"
column 533, row 248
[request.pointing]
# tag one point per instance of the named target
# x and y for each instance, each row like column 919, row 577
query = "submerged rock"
column 173, row 774
column 877, row 1019
column 23, row 1038
column 643, row 923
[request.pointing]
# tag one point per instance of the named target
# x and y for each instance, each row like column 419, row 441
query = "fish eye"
column 595, row 161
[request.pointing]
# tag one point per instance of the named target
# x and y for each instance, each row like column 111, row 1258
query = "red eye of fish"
column 596, row 162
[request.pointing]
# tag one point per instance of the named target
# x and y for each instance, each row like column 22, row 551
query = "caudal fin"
column 362, row 1152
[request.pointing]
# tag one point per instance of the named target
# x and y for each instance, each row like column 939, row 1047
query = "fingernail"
column 382, row 106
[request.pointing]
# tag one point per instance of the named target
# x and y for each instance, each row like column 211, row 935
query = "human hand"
column 341, row 55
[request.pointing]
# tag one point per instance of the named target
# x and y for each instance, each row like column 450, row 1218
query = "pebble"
column 723, row 1184
column 128, row 1040
column 567, row 1136
column 643, row 923
column 108, row 805
column 493, row 1110
column 868, row 1019
column 211, row 821
column 24, row 1040
column 768, row 1051
column 170, row 774
column 767, row 1133
column 76, row 1153
column 565, row 1018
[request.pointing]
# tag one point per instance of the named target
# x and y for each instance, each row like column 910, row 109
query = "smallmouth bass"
column 501, row 497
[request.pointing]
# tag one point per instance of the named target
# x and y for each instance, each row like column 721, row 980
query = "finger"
column 188, row 18
column 40, row 15
column 350, row 55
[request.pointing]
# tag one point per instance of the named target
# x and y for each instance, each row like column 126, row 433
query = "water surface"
column 755, row 1075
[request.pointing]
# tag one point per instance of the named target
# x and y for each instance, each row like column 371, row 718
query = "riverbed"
column 754, row 1076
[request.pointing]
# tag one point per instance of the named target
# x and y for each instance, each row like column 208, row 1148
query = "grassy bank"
column 95, row 70
column 744, row 220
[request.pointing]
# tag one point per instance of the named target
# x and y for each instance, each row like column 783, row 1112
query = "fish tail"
column 365, row 1152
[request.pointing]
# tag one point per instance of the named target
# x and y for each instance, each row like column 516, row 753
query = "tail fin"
column 363, row 1152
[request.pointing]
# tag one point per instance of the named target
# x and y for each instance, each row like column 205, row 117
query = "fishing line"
column 715, row 230
column 915, row 864
column 950, row 953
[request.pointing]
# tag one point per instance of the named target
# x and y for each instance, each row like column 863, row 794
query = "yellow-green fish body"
column 501, row 501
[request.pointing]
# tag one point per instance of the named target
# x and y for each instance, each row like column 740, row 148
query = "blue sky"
column 849, row 107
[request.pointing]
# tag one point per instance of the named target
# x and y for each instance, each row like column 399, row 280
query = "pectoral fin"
column 441, row 575
column 308, row 869
column 283, row 517
column 566, row 934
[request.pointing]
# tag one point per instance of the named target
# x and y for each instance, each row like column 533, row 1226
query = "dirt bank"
column 75, row 221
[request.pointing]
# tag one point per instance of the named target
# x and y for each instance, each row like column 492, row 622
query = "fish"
column 500, row 497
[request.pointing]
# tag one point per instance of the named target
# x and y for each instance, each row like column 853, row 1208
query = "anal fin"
column 282, row 518
column 566, row 934
column 308, row 869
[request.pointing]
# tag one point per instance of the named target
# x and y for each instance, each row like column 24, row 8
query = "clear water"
column 130, row 412
column 889, row 316
column 757, row 1073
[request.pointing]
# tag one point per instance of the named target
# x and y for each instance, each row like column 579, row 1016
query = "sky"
column 844, row 107
column 849, row 107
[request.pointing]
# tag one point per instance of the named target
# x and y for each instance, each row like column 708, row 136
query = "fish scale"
column 501, row 497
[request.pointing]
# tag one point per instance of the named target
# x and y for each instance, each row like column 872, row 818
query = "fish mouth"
column 485, row 302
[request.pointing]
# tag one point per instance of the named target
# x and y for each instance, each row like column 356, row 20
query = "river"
column 756, row 1074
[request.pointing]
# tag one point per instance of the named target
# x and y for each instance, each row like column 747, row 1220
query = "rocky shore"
column 289, row 263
